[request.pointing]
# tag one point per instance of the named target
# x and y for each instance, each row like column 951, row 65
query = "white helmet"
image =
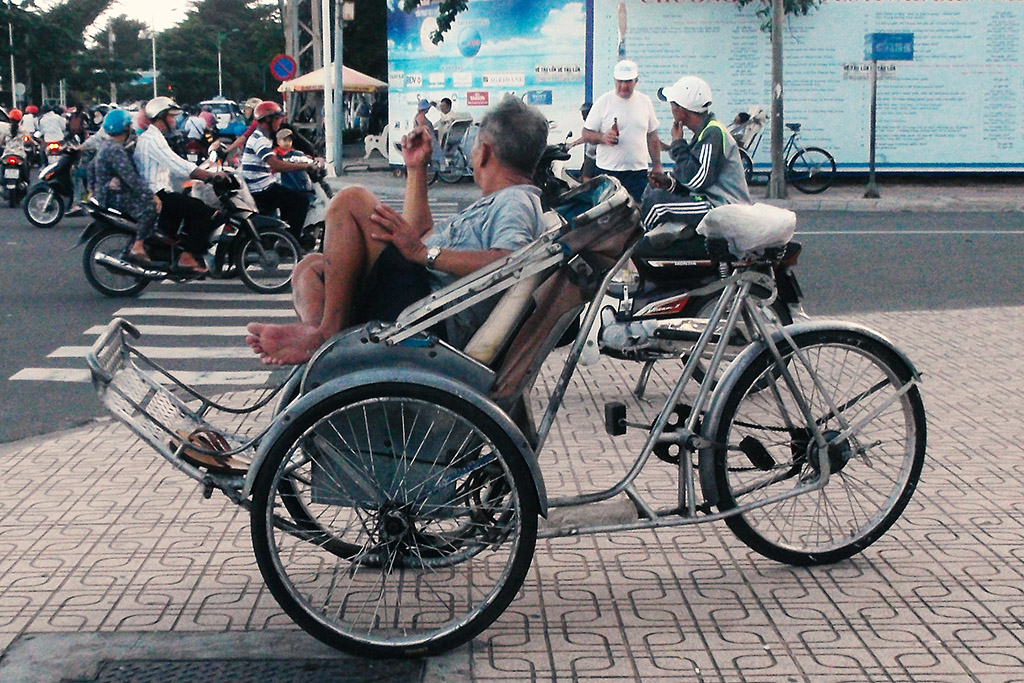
column 158, row 106
column 690, row 92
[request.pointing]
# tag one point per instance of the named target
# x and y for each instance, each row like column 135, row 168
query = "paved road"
column 852, row 262
column 52, row 316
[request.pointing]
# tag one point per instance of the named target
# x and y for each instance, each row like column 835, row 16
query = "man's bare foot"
column 288, row 344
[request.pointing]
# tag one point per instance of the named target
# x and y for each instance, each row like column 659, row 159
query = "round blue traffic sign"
column 283, row 67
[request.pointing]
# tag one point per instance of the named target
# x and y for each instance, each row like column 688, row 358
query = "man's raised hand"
column 417, row 147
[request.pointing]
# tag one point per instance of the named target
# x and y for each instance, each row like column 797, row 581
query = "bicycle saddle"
column 749, row 229
column 793, row 127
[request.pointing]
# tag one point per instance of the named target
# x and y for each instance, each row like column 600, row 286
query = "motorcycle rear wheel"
column 104, row 280
column 266, row 265
column 43, row 207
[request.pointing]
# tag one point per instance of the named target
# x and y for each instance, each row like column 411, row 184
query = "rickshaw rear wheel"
column 394, row 520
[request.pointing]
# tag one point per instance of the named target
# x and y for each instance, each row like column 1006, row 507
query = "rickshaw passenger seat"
column 494, row 334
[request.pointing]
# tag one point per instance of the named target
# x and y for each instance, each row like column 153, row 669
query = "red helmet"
column 14, row 115
column 31, row 109
column 265, row 109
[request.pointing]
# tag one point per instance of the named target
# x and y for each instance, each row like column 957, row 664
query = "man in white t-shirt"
column 623, row 126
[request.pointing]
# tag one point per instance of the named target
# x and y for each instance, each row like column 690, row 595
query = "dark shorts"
column 392, row 285
column 635, row 182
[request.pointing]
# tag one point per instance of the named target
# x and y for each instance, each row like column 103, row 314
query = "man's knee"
column 310, row 265
column 355, row 201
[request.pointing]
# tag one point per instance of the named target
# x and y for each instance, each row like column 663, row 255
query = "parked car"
column 226, row 112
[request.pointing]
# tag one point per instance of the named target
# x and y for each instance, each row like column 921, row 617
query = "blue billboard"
column 531, row 49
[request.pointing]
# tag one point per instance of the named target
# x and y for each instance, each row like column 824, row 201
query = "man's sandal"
column 212, row 444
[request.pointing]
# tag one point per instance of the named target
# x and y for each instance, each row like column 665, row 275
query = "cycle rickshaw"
column 394, row 495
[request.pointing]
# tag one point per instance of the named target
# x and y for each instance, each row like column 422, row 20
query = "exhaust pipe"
column 130, row 268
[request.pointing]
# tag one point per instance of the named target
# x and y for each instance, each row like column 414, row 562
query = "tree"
column 187, row 53
column 48, row 44
column 772, row 12
column 106, row 70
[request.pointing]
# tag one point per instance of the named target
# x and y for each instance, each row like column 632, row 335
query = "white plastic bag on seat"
column 749, row 228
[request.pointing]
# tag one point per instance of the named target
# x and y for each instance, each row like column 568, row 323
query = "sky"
column 160, row 14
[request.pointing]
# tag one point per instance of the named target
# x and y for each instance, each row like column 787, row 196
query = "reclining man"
column 708, row 171
column 377, row 261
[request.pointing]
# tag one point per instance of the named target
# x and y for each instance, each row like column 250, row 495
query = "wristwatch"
column 432, row 255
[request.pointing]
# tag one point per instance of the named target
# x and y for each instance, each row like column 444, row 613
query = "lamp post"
column 152, row 37
column 10, row 39
column 221, row 36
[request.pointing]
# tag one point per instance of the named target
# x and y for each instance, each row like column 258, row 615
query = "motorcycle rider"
column 28, row 121
column 15, row 142
column 118, row 184
column 165, row 172
column 52, row 125
column 260, row 164
column 708, row 171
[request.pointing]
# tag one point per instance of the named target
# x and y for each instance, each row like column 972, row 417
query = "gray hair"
column 517, row 132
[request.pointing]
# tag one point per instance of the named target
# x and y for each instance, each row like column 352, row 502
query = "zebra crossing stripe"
column 240, row 296
column 181, row 330
column 72, row 375
column 251, row 314
column 168, row 352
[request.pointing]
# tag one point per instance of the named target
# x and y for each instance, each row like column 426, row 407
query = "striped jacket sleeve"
column 697, row 165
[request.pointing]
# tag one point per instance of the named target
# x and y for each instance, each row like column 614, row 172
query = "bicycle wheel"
column 394, row 520
column 748, row 165
column 771, row 450
column 266, row 265
column 454, row 169
column 811, row 170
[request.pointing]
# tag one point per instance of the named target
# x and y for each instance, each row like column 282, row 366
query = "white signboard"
column 959, row 105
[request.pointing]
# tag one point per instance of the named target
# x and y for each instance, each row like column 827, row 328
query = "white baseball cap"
column 626, row 70
column 689, row 92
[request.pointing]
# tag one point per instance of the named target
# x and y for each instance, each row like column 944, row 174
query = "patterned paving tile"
column 99, row 535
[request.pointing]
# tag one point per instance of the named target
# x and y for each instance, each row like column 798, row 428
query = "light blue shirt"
column 507, row 219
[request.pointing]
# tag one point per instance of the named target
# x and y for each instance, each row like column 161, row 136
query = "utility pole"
column 10, row 38
column 343, row 11
column 777, row 180
column 110, row 47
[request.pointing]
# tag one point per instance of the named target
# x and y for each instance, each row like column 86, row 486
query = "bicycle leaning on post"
column 809, row 169
column 394, row 497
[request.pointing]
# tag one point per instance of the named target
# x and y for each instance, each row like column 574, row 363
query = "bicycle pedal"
column 615, row 418
column 756, row 453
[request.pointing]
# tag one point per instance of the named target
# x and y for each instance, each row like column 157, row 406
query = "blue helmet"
column 117, row 121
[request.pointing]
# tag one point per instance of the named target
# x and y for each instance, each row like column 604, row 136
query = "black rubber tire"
column 38, row 199
column 454, row 170
column 445, row 546
column 873, row 474
column 811, row 170
column 748, row 165
column 271, row 272
column 103, row 280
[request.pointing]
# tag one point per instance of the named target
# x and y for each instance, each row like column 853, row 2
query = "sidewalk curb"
column 41, row 439
column 53, row 657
